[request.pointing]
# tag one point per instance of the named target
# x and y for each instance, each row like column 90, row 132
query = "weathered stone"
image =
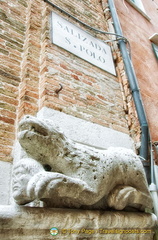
column 63, row 173
column 23, row 223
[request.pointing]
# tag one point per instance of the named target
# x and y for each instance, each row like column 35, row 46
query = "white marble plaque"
column 73, row 39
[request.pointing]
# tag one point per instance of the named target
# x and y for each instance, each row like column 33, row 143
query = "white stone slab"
column 5, row 182
column 86, row 132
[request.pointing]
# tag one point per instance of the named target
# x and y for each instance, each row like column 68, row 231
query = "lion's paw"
column 121, row 196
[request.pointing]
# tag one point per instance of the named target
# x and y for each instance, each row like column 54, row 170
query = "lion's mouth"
column 30, row 124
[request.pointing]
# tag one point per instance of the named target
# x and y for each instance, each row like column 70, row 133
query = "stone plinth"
column 27, row 223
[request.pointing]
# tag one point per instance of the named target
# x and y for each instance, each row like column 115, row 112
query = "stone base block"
column 28, row 223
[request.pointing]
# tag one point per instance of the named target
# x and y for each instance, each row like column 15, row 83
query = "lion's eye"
column 47, row 167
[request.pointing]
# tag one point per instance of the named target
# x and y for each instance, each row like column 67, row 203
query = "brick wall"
column 88, row 92
column 138, row 29
column 12, row 28
column 32, row 68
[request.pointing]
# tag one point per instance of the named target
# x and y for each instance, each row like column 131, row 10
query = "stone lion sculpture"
column 63, row 173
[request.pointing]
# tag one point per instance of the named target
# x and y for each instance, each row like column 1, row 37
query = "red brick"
column 69, row 100
column 75, row 77
column 87, row 82
column 7, row 120
column 7, row 113
column 89, row 97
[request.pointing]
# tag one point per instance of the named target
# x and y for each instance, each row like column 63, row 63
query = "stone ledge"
column 27, row 223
